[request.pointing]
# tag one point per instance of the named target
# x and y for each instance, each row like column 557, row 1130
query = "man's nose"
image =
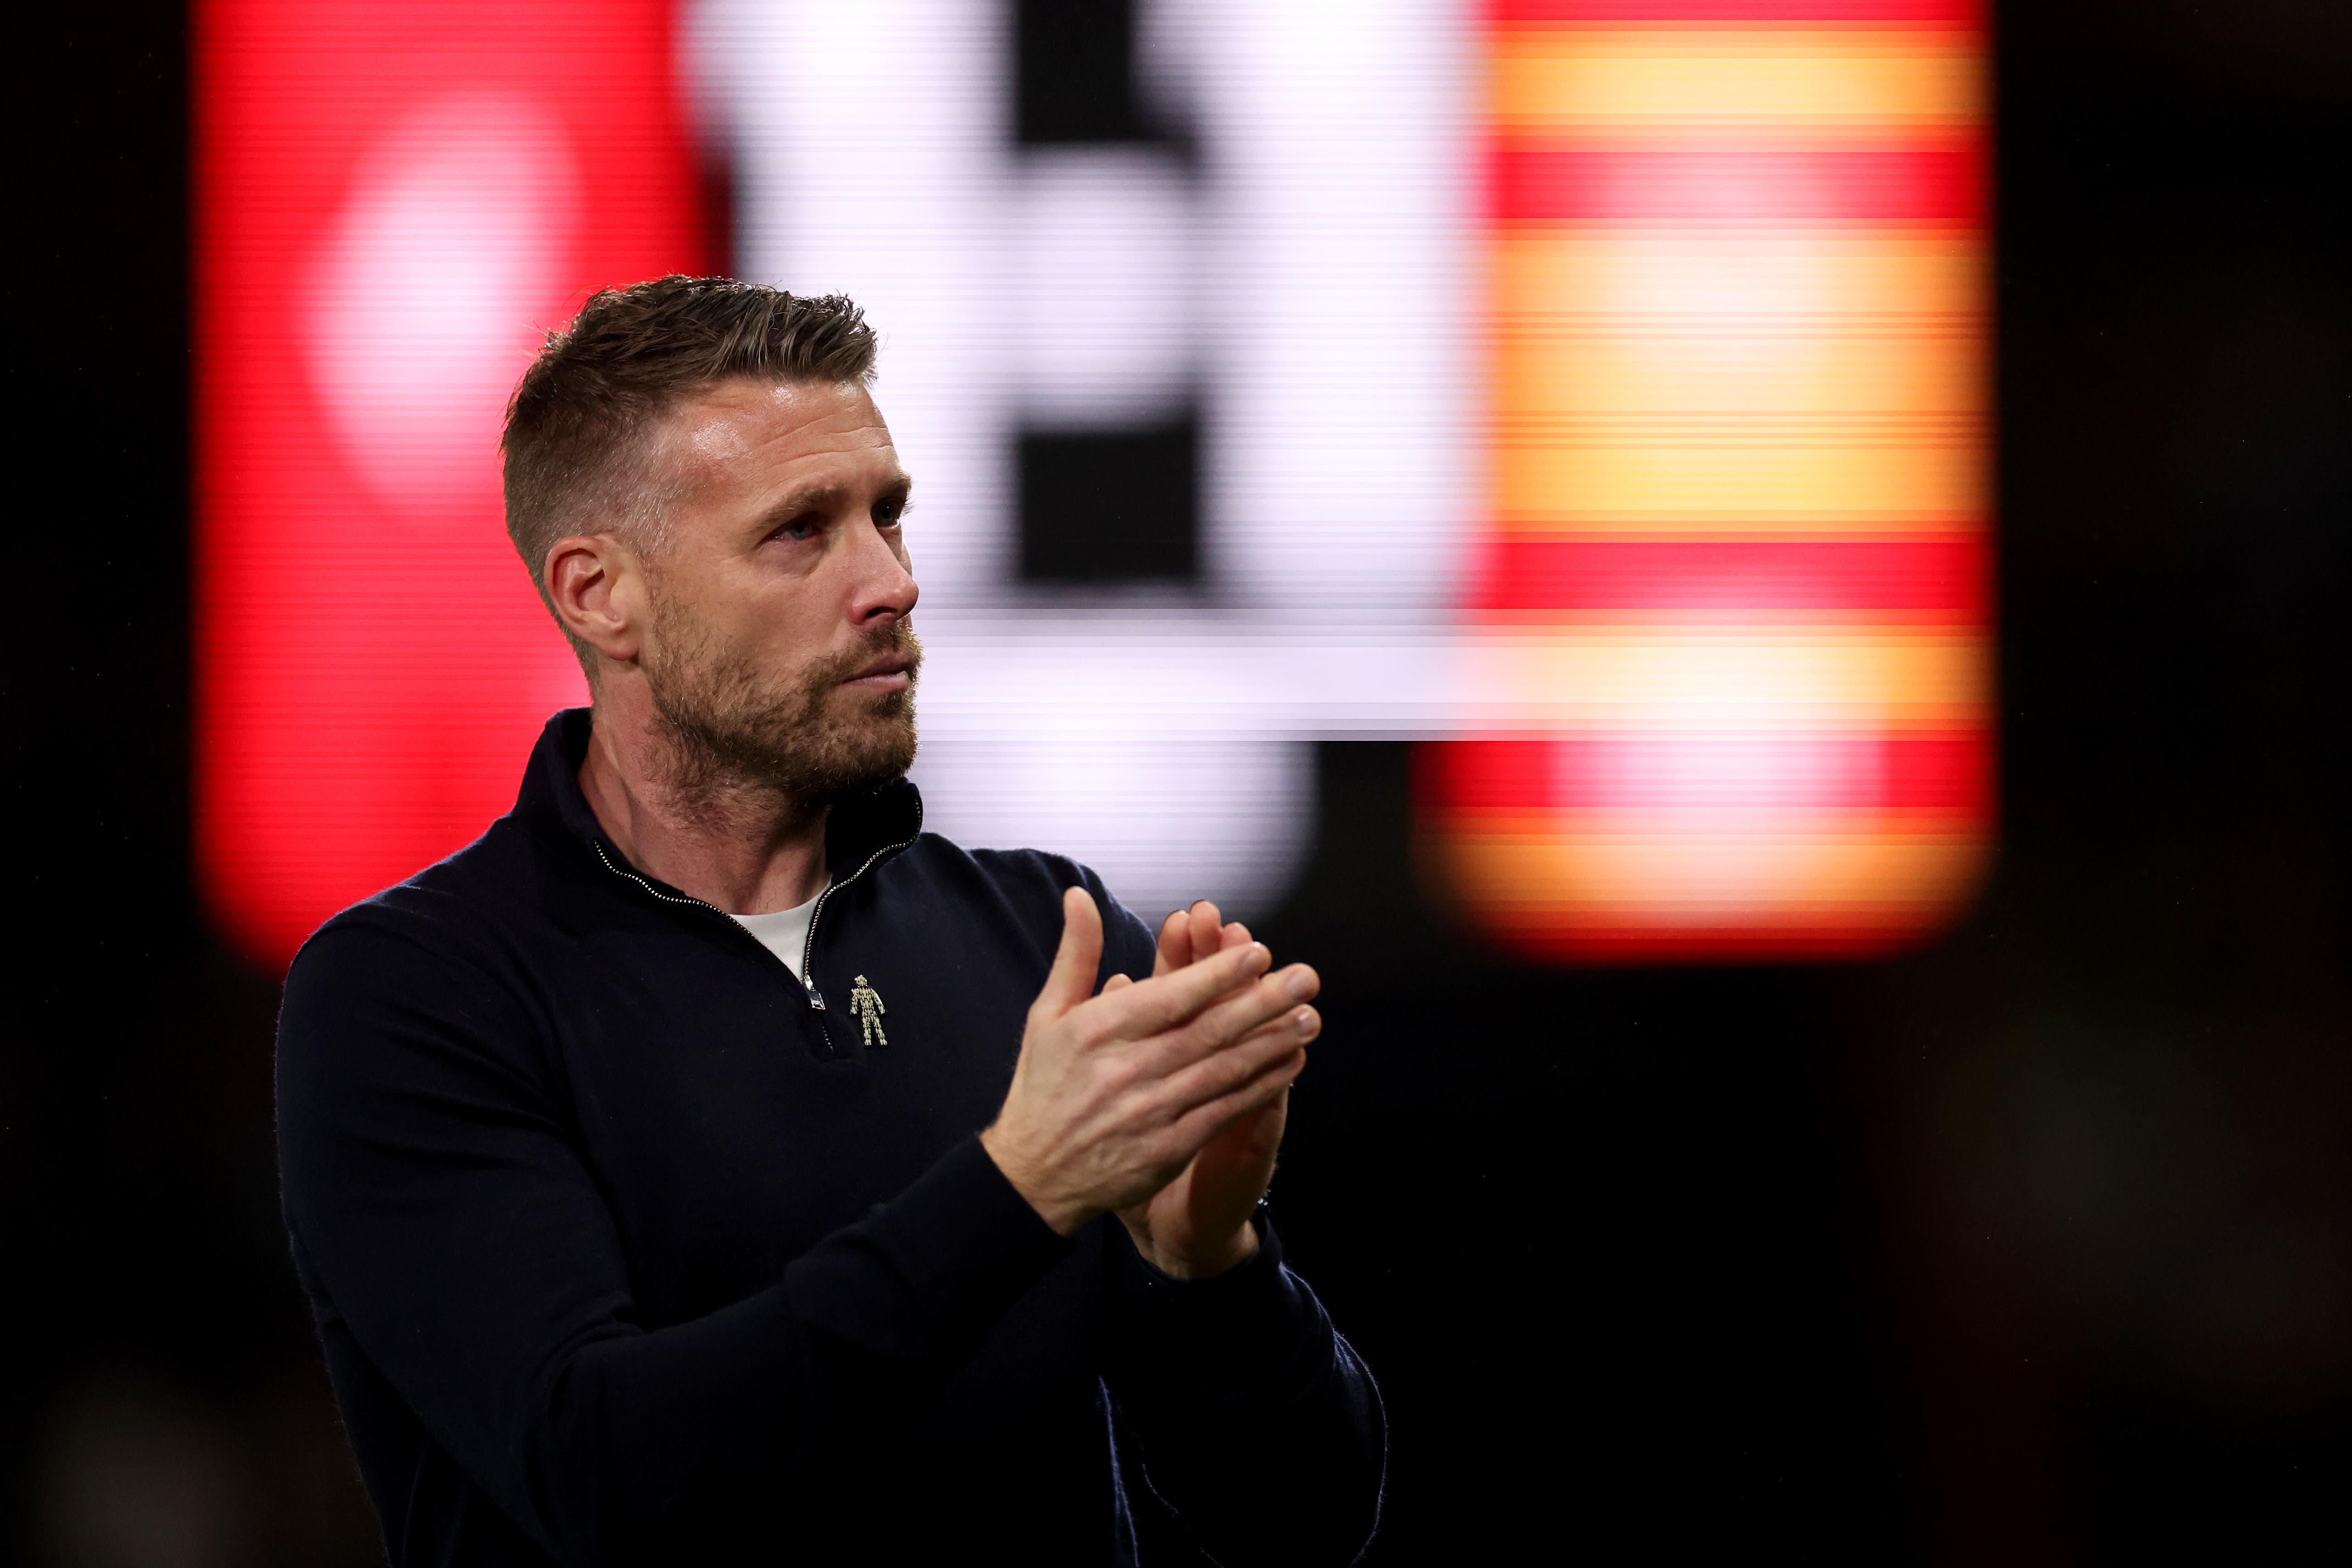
column 883, row 587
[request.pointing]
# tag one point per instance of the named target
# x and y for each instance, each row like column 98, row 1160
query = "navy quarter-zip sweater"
column 624, row 1247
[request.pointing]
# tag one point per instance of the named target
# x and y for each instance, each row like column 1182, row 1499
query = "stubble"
column 729, row 726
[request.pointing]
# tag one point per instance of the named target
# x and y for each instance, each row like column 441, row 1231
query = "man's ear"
column 598, row 589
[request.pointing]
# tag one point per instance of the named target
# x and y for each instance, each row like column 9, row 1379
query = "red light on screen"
column 393, row 200
column 1737, row 389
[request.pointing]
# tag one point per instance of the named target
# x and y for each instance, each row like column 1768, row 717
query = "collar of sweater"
column 551, row 806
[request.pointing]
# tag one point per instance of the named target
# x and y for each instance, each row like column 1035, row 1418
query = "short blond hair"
column 577, row 426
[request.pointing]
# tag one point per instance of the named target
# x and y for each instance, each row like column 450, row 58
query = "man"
column 631, row 1235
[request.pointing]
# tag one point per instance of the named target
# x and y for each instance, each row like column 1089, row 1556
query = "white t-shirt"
column 785, row 933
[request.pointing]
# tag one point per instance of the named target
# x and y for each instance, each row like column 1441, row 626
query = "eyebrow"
column 830, row 497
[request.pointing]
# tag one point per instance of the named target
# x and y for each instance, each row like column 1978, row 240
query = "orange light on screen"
column 1737, row 458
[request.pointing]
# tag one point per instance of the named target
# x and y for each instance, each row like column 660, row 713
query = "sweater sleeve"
column 435, row 1194
column 1251, row 1419
column 1222, row 1384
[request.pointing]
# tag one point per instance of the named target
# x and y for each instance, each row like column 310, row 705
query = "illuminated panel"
column 1294, row 282
column 393, row 200
column 1737, row 456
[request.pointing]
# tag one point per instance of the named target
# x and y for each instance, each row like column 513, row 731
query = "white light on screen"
column 449, row 246
column 1305, row 278
column 1103, row 251
column 1343, row 484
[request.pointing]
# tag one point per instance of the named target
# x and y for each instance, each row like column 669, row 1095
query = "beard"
column 730, row 725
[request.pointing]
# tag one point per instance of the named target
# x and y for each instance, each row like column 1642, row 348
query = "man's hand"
column 1199, row 1224
column 1114, row 1094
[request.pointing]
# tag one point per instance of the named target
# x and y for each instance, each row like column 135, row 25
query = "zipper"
column 668, row 898
column 657, row 893
column 808, row 947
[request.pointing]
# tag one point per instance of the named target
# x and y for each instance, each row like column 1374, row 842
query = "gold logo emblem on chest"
column 865, row 1003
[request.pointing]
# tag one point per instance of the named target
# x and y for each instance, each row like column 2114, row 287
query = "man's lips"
column 889, row 673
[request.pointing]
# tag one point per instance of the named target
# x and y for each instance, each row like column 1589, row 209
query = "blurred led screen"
column 1736, row 439
column 1592, row 391
column 394, row 200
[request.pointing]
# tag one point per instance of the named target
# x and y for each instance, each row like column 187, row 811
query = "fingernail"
column 1304, row 1020
column 1301, row 983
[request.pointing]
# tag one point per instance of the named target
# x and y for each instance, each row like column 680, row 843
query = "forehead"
column 749, row 438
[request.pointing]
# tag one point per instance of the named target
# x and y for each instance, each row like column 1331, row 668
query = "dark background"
column 2034, row 1247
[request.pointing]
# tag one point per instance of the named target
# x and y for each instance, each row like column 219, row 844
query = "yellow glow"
column 1581, row 368
column 1577, row 869
column 1825, row 278
column 1763, row 475
column 1598, row 321
column 1813, row 77
column 1734, row 678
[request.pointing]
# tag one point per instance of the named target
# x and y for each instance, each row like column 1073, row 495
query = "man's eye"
column 799, row 529
column 889, row 514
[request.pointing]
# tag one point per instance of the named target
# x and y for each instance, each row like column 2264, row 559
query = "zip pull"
column 808, row 944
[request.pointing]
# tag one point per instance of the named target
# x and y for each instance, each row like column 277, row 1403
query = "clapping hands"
column 1163, row 1100
column 1198, row 1224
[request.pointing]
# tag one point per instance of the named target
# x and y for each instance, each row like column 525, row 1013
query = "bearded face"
column 731, row 722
